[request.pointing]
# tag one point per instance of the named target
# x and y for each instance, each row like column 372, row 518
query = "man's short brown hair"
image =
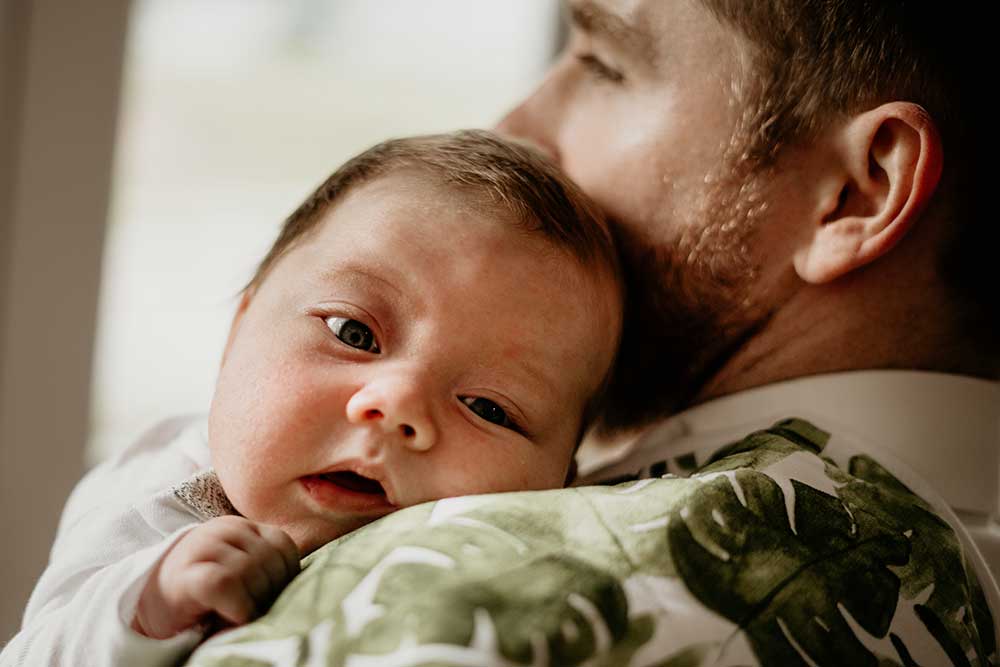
column 816, row 60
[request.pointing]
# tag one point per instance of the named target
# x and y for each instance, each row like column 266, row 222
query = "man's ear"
column 888, row 163
column 241, row 310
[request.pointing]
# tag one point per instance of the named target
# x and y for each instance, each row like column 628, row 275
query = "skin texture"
column 732, row 264
column 462, row 305
column 646, row 131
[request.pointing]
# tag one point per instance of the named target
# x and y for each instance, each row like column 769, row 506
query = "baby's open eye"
column 488, row 410
column 353, row 333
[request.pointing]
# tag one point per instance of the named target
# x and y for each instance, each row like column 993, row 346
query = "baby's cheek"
column 519, row 470
column 247, row 470
column 548, row 465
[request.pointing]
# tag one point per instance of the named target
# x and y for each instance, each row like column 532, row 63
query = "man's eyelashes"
column 599, row 69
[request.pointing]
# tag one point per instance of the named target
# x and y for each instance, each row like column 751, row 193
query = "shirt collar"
column 945, row 427
column 204, row 496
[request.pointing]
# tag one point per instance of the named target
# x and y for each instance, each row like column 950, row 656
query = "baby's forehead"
column 426, row 206
column 428, row 201
column 516, row 210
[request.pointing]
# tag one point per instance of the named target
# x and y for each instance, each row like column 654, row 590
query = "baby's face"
column 413, row 347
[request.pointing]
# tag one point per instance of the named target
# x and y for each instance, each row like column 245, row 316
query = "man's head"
column 773, row 170
column 437, row 319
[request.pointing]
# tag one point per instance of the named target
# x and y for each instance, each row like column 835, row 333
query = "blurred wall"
column 60, row 71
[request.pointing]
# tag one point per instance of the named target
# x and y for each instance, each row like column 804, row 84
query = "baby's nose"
column 396, row 408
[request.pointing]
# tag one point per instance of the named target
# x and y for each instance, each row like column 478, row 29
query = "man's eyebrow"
column 597, row 21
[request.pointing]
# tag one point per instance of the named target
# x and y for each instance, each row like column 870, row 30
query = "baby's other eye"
column 488, row 410
column 353, row 333
column 599, row 68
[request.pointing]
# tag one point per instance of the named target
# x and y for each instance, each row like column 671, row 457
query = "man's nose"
column 397, row 407
column 535, row 120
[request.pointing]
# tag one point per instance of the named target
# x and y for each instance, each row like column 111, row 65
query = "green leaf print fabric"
column 768, row 555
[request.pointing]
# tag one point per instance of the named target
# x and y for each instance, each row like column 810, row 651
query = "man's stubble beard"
column 691, row 298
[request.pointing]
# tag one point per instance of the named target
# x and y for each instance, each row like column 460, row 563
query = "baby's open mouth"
column 352, row 481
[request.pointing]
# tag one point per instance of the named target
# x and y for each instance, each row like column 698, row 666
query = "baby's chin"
column 310, row 535
column 285, row 511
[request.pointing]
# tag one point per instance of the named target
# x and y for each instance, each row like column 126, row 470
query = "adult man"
column 797, row 241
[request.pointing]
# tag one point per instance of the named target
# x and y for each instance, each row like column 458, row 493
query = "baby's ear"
column 241, row 309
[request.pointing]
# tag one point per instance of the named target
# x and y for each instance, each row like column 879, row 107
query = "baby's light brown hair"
column 502, row 173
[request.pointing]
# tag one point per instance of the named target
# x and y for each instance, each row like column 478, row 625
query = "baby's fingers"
column 271, row 565
column 223, row 591
column 284, row 549
column 249, row 565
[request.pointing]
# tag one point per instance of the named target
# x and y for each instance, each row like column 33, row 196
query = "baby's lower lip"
column 331, row 495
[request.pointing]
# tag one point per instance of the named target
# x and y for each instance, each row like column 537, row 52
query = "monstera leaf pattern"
column 768, row 555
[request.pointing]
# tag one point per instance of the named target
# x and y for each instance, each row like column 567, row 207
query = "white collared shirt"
column 939, row 433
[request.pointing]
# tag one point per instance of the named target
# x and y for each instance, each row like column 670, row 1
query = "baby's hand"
column 229, row 566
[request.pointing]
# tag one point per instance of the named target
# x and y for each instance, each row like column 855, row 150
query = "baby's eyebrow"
column 542, row 382
column 540, row 377
column 360, row 273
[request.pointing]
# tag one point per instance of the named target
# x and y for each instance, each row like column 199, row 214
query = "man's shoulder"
column 767, row 553
column 839, row 555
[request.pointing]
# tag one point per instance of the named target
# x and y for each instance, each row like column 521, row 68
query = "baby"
column 438, row 319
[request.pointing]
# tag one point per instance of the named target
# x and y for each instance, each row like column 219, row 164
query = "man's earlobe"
column 889, row 163
column 241, row 310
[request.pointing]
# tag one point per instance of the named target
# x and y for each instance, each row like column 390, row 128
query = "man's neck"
column 856, row 325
